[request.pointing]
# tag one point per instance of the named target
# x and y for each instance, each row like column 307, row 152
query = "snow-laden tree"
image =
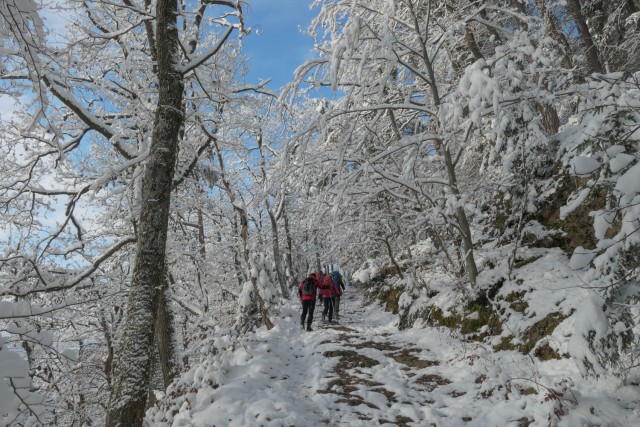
column 79, row 146
column 454, row 112
column 396, row 67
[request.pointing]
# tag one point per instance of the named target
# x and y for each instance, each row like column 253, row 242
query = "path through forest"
column 362, row 371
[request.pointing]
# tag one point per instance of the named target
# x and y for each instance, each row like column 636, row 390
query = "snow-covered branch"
column 196, row 62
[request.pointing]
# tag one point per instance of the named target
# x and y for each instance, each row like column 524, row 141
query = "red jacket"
column 329, row 288
column 318, row 278
column 312, row 296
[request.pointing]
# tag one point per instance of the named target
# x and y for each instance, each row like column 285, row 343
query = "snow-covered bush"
column 602, row 148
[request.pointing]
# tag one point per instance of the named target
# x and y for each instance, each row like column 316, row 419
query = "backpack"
column 309, row 286
column 337, row 279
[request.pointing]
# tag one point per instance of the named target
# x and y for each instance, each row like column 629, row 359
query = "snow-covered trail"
column 364, row 372
column 355, row 372
column 282, row 376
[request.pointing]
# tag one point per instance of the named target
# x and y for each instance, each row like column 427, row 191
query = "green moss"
column 555, row 240
column 577, row 224
column 477, row 317
column 515, row 298
column 505, row 344
column 539, row 330
column 522, row 262
column 500, row 221
column 390, row 298
column 519, row 306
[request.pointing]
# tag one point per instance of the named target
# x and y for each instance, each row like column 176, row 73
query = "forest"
column 469, row 166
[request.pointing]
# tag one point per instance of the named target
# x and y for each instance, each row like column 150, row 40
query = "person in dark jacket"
column 308, row 299
column 337, row 279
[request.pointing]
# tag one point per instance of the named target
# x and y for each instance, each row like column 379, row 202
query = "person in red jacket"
column 329, row 291
column 319, row 277
column 307, row 291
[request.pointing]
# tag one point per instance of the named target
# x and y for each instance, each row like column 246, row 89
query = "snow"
column 363, row 275
column 13, row 369
column 581, row 258
column 620, row 162
column 362, row 371
column 629, row 184
column 574, row 203
column 590, row 326
column 581, row 165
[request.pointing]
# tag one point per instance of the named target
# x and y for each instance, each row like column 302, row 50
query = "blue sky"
column 277, row 46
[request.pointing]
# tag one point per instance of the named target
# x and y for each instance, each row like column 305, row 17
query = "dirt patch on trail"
column 338, row 327
column 347, row 385
column 400, row 421
column 432, row 381
column 351, row 359
column 382, row 346
column 407, row 357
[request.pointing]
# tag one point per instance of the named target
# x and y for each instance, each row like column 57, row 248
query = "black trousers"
column 328, row 308
column 307, row 311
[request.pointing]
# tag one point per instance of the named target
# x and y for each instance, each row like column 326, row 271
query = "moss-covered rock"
column 505, row 344
column 577, row 224
column 516, row 301
column 472, row 323
column 545, row 352
column 390, row 298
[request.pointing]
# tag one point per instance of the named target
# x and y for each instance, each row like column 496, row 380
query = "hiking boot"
column 309, row 328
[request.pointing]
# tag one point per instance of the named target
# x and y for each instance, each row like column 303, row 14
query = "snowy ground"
column 364, row 372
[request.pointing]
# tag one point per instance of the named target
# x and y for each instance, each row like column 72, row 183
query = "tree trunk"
column 131, row 380
column 463, row 222
column 244, row 235
column 276, row 251
column 472, row 44
column 552, row 28
column 550, row 119
column 201, row 239
column 164, row 334
column 318, row 264
column 274, row 223
column 288, row 255
column 236, row 256
column 201, row 262
column 391, row 257
column 108, row 364
column 585, row 35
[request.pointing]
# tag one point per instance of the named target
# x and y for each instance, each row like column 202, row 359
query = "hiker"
column 329, row 291
column 337, row 279
column 307, row 291
column 319, row 281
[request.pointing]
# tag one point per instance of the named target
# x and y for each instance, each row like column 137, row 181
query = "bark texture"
column 164, row 334
column 591, row 51
column 287, row 231
column 130, row 388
